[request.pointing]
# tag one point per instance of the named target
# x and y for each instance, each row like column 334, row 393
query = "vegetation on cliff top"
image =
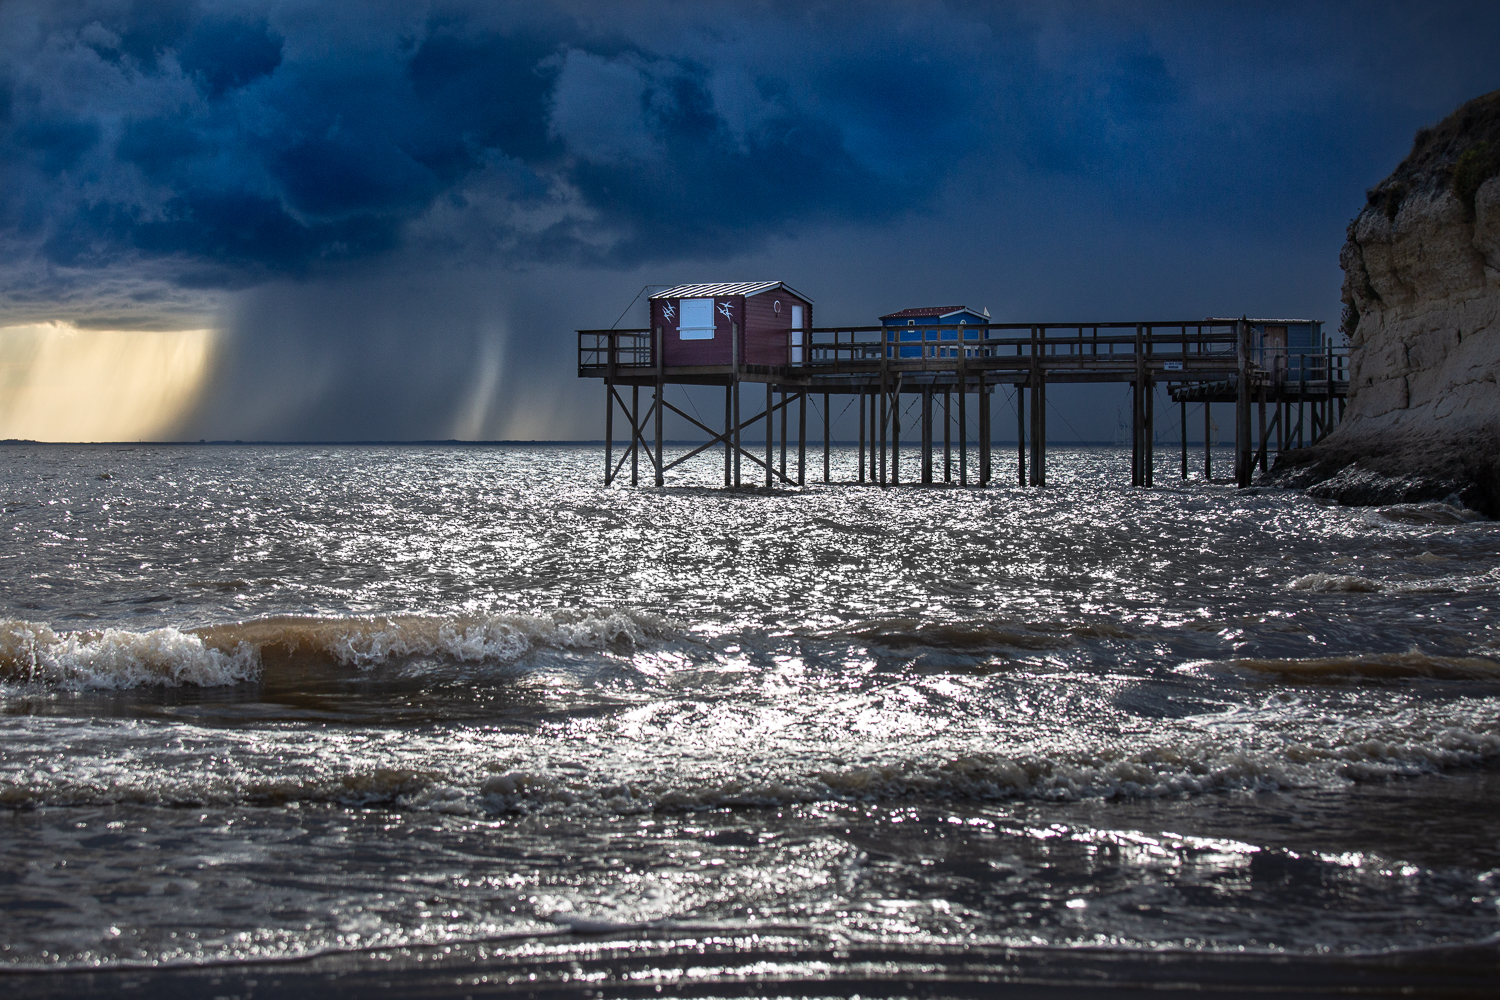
column 1459, row 153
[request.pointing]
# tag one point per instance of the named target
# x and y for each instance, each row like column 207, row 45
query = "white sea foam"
column 118, row 659
column 440, row 776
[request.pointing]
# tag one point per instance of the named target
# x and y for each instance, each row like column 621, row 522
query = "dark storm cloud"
column 244, row 141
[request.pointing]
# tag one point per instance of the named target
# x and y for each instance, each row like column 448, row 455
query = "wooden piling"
column 1208, row 464
column 728, row 433
column 861, row 393
column 1020, row 434
column 1262, row 437
column 927, row 435
column 784, row 408
column 1148, row 434
column 661, row 390
column 896, row 433
column 963, row 424
column 1039, row 429
column 738, row 439
column 1137, row 413
column 827, row 438
column 884, row 402
column 802, row 439
column 609, row 431
column 984, row 431
column 1242, row 453
column 770, row 437
column 1182, row 420
column 947, row 438
column 635, row 435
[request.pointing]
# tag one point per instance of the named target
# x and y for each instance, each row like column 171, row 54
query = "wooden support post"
column 1242, row 454
column 609, row 431
column 927, row 435
column 1264, row 442
column 884, row 402
column 874, row 433
column 770, row 437
column 661, row 389
column 1039, row 428
column 728, row 433
column 1136, row 478
column 963, row 424
column 635, row 435
column 1148, row 437
column 1208, row 441
column 862, row 395
column 1262, row 438
column 802, row 438
column 784, row 408
column 1183, row 421
column 1020, row 434
column 734, row 360
column 1135, row 429
column 827, row 439
column 985, row 455
column 1328, row 420
column 896, row 432
column 947, row 437
column 1301, row 399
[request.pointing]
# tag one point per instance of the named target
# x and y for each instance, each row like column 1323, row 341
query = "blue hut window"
column 697, row 320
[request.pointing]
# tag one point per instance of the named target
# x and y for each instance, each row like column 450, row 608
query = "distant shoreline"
column 455, row 443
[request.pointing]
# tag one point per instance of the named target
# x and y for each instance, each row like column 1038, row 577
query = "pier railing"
column 613, row 349
column 832, row 348
column 1167, row 346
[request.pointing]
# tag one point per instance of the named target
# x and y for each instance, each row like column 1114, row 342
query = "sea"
column 452, row 720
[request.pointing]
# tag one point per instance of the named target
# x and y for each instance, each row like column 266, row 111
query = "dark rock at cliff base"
column 1467, row 479
column 1353, row 486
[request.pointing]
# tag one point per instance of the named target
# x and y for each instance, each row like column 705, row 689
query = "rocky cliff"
column 1422, row 312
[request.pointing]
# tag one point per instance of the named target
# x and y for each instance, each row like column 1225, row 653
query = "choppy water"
column 275, row 702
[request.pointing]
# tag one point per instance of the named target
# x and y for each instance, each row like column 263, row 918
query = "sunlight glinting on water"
column 1177, row 718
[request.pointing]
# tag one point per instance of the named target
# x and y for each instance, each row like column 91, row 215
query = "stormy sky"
column 384, row 221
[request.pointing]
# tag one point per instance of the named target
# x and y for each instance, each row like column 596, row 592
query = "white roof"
column 1252, row 319
column 725, row 288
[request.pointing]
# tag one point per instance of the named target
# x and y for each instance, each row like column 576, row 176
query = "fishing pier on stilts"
column 956, row 371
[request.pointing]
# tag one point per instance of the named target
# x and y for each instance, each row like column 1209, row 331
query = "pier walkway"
column 1197, row 361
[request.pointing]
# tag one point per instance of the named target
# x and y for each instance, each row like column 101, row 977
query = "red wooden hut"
column 746, row 322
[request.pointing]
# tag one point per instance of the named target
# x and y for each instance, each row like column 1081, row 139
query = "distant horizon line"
column 460, row 443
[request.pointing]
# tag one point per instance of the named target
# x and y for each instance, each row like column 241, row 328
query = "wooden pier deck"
column 1197, row 361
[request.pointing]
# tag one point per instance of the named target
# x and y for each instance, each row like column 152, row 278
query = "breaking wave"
column 118, row 659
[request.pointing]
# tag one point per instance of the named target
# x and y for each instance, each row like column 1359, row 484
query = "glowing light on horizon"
column 60, row 383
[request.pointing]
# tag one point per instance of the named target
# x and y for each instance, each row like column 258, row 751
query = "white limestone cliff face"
column 1426, row 349
column 1422, row 311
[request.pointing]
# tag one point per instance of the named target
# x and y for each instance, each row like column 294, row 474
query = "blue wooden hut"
column 910, row 333
column 1287, row 347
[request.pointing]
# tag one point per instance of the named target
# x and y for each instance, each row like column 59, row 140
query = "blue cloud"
column 228, row 142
